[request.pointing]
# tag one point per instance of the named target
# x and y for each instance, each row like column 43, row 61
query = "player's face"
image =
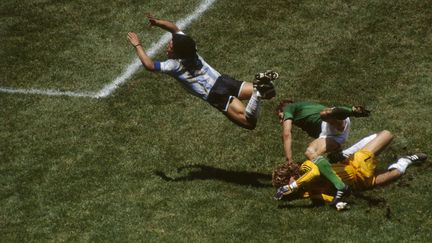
column 170, row 49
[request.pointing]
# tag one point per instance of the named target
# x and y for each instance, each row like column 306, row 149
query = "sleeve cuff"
column 157, row 66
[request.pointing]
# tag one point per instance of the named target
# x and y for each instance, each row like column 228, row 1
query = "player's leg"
column 398, row 168
column 321, row 146
column 263, row 83
column 379, row 143
column 227, row 93
column 365, row 161
column 237, row 113
column 339, row 156
column 387, row 177
column 246, row 116
column 327, row 171
column 225, row 96
column 314, row 151
column 358, row 145
column 246, row 91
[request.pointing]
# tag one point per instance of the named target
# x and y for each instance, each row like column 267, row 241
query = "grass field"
column 152, row 163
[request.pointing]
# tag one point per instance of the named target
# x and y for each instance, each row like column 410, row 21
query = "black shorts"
column 223, row 91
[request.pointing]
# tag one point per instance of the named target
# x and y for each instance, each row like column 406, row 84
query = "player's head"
column 283, row 174
column 183, row 47
column 280, row 108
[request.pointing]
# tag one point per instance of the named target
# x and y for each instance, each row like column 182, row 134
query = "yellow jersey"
column 358, row 172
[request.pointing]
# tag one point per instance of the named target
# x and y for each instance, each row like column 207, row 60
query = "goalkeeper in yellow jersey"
column 358, row 171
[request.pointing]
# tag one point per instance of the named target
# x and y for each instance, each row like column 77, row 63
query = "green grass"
column 152, row 163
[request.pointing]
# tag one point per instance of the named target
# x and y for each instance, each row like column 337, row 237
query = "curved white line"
column 129, row 70
column 136, row 64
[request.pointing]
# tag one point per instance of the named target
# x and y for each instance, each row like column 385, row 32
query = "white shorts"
column 328, row 131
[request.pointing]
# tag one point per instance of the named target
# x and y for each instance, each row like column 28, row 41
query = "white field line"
column 130, row 70
column 49, row 92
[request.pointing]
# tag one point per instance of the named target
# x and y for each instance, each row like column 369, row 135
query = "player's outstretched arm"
column 164, row 24
column 309, row 171
column 145, row 59
column 287, row 140
column 342, row 112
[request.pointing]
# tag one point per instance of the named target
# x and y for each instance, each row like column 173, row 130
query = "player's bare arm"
column 287, row 140
column 164, row 24
column 145, row 59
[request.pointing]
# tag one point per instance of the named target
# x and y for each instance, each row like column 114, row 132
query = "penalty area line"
column 49, row 92
column 130, row 70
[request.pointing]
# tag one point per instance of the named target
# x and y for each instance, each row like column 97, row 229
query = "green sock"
column 340, row 112
column 327, row 171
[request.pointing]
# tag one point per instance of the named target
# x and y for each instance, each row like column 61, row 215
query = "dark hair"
column 282, row 174
column 184, row 48
column 282, row 104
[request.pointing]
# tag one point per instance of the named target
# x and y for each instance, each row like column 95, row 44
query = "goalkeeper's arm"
column 310, row 172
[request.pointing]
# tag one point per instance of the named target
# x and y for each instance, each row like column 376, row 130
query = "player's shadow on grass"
column 204, row 172
column 351, row 199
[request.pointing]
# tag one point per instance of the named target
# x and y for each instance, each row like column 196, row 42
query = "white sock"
column 293, row 186
column 358, row 145
column 400, row 165
column 253, row 107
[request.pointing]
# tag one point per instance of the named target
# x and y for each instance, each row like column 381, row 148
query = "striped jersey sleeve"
column 309, row 172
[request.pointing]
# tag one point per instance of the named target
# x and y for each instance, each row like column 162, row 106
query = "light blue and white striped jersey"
column 198, row 83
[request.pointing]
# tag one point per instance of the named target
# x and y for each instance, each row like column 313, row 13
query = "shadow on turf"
column 371, row 202
column 204, row 172
column 255, row 179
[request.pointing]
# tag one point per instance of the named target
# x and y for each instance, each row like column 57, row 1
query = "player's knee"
column 387, row 134
column 310, row 153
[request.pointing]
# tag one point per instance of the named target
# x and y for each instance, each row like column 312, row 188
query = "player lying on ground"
column 358, row 171
column 328, row 126
column 199, row 78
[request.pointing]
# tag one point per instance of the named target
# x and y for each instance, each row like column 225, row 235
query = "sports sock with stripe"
column 327, row 171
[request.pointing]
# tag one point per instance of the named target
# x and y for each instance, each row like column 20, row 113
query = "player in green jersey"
column 328, row 126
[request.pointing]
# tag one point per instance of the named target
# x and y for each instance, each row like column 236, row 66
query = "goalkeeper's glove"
column 283, row 191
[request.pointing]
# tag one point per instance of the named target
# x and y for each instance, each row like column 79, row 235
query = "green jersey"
column 305, row 115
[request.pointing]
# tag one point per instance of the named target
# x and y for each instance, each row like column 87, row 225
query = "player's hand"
column 283, row 191
column 152, row 20
column 360, row 111
column 133, row 39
